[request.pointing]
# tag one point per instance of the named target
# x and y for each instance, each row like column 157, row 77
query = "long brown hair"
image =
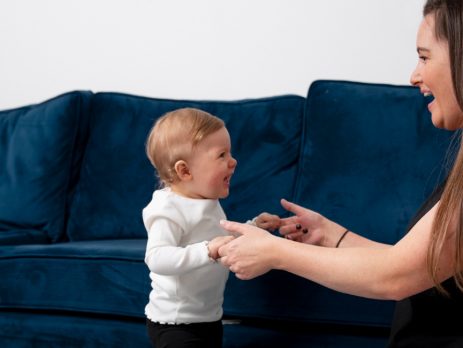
column 448, row 15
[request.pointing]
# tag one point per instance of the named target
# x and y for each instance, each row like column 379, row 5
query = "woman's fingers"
column 293, row 227
column 293, row 207
column 292, row 220
column 238, row 229
column 235, row 227
column 224, row 261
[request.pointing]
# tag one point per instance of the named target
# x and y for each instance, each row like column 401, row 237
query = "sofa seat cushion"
column 117, row 180
column 278, row 295
column 38, row 152
column 18, row 237
column 45, row 330
column 107, row 277
column 62, row 330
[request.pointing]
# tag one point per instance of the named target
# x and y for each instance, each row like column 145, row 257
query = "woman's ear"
column 182, row 170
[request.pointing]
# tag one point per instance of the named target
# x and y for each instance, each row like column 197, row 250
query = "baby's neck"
column 183, row 191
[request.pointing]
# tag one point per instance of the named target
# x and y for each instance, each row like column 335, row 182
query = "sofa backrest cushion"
column 370, row 156
column 38, row 153
column 117, row 180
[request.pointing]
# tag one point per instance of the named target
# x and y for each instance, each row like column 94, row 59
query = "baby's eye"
column 222, row 155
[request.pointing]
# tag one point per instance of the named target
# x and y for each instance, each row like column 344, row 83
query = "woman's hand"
column 250, row 254
column 305, row 226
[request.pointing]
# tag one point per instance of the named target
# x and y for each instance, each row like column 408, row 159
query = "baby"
column 191, row 151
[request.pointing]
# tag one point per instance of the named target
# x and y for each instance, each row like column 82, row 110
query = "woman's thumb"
column 291, row 207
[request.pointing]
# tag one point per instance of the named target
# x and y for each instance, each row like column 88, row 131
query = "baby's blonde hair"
column 173, row 138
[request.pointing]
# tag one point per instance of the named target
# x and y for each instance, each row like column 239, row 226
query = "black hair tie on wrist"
column 342, row 237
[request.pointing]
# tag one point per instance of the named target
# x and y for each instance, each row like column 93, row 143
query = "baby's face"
column 212, row 166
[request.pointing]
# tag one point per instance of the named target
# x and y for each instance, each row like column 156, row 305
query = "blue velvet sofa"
column 74, row 178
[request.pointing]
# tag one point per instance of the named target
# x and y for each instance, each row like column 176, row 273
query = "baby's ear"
column 182, row 170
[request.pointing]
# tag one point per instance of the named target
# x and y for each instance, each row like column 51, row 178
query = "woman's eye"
column 423, row 58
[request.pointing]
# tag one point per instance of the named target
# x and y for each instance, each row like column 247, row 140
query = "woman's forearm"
column 354, row 240
column 379, row 272
column 333, row 233
column 368, row 272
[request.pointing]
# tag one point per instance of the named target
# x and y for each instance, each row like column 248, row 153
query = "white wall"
column 200, row 49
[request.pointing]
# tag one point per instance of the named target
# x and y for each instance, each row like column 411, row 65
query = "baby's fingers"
column 226, row 239
column 267, row 218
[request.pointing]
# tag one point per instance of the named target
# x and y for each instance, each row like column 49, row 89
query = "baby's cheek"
column 217, row 180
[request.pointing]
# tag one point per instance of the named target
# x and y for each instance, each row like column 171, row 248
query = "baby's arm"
column 266, row 221
column 165, row 256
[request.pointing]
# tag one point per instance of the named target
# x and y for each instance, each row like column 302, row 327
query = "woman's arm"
column 392, row 272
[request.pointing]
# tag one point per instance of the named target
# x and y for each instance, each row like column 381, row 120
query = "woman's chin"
column 442, row 124
column 451, row 119
column 438, row 121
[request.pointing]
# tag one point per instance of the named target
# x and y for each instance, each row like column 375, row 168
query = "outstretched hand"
column 305, row 226
column 248, row 255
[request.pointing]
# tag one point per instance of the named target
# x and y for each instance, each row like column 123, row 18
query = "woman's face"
column 432, row 75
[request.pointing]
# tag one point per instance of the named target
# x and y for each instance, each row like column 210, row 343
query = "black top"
column 429, row 319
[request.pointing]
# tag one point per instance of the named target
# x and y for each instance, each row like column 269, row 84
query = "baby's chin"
column 219, row 196
column 224, row 195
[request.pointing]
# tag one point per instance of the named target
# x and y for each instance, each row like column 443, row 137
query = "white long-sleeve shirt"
column 187, row 287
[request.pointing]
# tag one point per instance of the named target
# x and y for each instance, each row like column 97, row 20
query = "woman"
column 423, row 271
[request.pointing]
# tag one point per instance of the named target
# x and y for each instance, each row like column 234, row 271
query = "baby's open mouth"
column 227, row 179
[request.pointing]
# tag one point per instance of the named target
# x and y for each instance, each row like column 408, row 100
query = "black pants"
column 197, row 335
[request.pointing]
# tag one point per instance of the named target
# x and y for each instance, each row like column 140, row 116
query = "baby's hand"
column 214, row 245
column 268, row 221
